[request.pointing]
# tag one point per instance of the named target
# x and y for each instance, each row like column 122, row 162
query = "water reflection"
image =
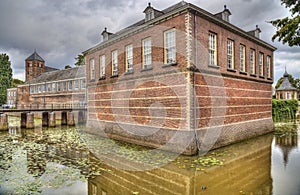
column 285, row 161
column 247, row 170
column 52, row 161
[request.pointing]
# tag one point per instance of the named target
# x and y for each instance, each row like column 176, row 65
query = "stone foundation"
column 182, row 141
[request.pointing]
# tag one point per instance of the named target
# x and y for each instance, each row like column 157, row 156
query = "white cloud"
column 60, row 29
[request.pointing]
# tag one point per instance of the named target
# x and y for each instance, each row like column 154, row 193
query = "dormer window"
column 106, row 35
column 224, row 15
column 149, row 15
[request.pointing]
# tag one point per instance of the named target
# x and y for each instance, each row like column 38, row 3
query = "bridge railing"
column 51, row 106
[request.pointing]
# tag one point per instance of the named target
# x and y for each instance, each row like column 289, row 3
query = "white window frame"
column 230, row 54
column 53, row 87
column 242, row 58
column 269, row 66
column 63, row 86
column 170, row 46
column 212, row 49
column 58, row 89
column 261, row 64
column 48, row 87
column 252, row 62
column 114, row 61
column 76, row 85
column 129, row 58
column 102, row 66
column 82, row 83
column 92, row 69
column 70, row 85
column 147, row 53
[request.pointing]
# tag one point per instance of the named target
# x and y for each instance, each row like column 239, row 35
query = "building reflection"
column 286, row 143
column 248, row 171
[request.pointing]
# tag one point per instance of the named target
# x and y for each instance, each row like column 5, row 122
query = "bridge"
column 48, row 114
column 46, row 108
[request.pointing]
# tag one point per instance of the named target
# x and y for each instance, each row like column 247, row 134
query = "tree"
column 80, row 60
column 15, row 82
column 68, row 66
column 5, row 77
column 288, row 28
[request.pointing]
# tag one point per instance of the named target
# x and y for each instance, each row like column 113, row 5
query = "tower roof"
column 35, row 56
column 286, row 85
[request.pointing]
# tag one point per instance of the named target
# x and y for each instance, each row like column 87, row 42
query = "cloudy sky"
column 61, row 29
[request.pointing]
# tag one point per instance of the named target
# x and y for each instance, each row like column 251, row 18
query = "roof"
column 179, row 7
column 57, row 75
column 49, row 69
column 286, row 85
column 35, row 56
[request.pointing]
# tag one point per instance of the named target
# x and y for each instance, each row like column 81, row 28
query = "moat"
column 65, row 160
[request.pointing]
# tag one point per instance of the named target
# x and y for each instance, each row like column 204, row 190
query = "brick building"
column 12, row 96
column 286, row 91
column 46, row 86
column 181, row 79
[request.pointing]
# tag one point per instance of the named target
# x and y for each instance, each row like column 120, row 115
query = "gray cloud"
column 61, row 29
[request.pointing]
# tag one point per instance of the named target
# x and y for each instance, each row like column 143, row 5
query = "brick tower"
column 34, row 66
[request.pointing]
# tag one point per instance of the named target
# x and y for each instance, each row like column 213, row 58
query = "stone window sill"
column 147, row 69
column 244, row 73
column 214, row 66
column 114, row 76
column 253, row 75
column 129, row 72
column 231, row 70
column 170, row 64
column 262, row 77
column 102, row 78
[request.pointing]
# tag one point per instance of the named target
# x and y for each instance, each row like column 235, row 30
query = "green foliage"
column 80, row 60
column 67, row 67
column 284, row 110
column 5, row 77
column 15, row 82
column 288, row 28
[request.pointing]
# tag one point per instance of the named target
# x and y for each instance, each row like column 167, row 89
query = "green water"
column 64, row 160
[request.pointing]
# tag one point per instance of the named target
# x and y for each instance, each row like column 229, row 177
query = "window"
column 149, row 15
column 94, row 189
column 30, row 64
column 288, row 95
column 212, row 49
column 268, row 66
column 82, row 84
column 34, row 89
column 170, row 47
column 102, row 66
column 114, row 63
column 252, row 61
column 63, row 86
column 43, row 88
column 242, row 58
column 70, row 87
column 75, row 85
column 15, row 93
column 31, row 89
column 92, row 68
column 261, row 64
column 48, row 87
column 147, row 53
column 230, row 54
column 129, row 58
column 53, row 87
column 39, row 88
column 58, row 86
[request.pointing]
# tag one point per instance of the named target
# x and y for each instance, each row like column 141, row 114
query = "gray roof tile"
column 57, row 75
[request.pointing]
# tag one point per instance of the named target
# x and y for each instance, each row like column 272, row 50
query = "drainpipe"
column 194, row 84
